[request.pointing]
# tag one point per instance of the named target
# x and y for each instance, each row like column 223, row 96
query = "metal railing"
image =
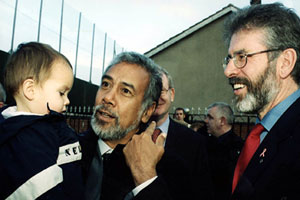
column 79, row 117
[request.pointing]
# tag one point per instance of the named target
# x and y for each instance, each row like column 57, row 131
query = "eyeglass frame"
column 245, row 56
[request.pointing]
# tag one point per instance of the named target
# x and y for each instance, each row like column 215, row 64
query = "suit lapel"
column 268, row 149
column 265, row 153
column 94, row 181
column 172, row 136
column 171, row 162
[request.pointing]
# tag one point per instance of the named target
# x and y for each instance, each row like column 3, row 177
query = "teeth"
column 238, row 86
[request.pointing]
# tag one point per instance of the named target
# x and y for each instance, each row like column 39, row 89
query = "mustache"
column 235, row 80
column 106, row 109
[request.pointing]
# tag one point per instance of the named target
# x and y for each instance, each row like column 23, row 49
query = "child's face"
column 55, row 89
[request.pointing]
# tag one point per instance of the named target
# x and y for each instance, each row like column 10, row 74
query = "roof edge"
column 190, row 30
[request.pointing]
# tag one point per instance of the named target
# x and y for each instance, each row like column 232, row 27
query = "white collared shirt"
column 165, row 126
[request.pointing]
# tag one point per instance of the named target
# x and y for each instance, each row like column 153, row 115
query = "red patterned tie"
column 155, row 134
column 250, row 146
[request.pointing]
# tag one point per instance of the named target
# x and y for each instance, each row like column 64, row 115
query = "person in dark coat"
column 189, row 178
column 223, row 147
column 125, row 101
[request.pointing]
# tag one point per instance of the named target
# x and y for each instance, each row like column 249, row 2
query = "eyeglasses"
column 240, row 59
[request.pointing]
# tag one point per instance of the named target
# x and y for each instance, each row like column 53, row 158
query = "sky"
column 140, row 25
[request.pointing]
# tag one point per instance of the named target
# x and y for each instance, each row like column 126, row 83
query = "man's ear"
column 287, row 62
column 148, row 112
column 172, row 94
column 28, row 88
column 223, row 120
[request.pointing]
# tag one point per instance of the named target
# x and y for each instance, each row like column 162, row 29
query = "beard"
column 114, row 131
column 259, row 93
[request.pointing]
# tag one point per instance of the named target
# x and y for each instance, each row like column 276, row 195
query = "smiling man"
column 263, row 67
column 184, row 166
column 126, row 99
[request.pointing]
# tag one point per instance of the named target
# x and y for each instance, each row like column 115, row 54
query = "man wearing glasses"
column 184, row 166
column 263, row 67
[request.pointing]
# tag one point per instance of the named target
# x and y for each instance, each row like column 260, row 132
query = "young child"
column 39, row 153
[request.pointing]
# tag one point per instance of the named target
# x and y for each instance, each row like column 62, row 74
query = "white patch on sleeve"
column 69, row 153
column 38, row 184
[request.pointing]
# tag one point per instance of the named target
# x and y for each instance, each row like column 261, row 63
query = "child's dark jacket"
column 39, row 158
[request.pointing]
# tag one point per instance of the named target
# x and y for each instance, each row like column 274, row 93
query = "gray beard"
column 260, row 93
column 115, row 131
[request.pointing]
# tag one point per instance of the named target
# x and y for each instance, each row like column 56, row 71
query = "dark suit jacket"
column 223, row 153
column 182, row 172
column 276, row 175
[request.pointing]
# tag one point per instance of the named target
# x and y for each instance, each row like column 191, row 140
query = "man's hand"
column 142, row 154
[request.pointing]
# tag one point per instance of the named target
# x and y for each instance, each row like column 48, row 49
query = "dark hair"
column 281, row 26
column 30, row 60
column 153, row 91
column 179, row 108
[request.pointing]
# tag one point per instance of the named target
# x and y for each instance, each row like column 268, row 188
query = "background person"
column 223, row 147
column 184, row 166
column 263, row 68
column 180, row 116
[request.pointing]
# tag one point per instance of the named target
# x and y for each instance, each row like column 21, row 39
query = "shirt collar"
column 104, row 148
column 273, row 115
column 165, row 126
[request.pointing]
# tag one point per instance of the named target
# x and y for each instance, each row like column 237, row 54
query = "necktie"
column 250, row 146
column 155, row 134
column 106, row 156
column 105, row 159
column 106, row 180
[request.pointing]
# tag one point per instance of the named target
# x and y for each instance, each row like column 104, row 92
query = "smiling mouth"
column 238, row 86
column 237, row 83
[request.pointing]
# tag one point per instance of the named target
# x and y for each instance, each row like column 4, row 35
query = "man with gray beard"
column 127, row 97
column 263, row 67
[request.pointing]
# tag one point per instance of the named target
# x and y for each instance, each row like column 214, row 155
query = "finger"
column 150, row 128
column 161, row 139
